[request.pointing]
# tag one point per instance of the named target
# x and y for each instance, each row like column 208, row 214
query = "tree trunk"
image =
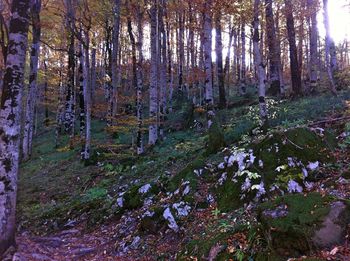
column 330, row 57
column 243, row 62
column 293, row 52
column 32, row 87
column 153, row 92
column 87, row 97
column 313, row 44
column 113, row 103
column 274, row 53
column 162, row 70
column 10, row 120
column 139, row 106
column 209, row 99
column 69, row 115
column 219, row 62
column 259, row 66
column 181, row 17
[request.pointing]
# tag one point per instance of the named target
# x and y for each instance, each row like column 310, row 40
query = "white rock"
column 144, row 189
column 182, row 209
column 120, row 202
column 171, row 220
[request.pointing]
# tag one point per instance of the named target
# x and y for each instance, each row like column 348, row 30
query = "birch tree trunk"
column 32, row 87
column 87, row 96
column 69, row 115
column 209, row 99
column 153, row 92
column 10, row 117
column 330, row 57
column 219, row 62
column 259, row 66
column 293, row 52
column 181, row 50
column 113, row 103
column 313, row 44
column 139, row 106
column 274, row 53
column 243, row 62
column 162, row 70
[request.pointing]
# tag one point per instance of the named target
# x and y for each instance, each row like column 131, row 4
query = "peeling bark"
column 10, row 115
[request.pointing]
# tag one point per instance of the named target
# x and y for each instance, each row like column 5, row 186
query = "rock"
column 171, row 220
column 334, row 226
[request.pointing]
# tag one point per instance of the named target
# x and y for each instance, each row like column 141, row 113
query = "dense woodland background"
column 167, row 129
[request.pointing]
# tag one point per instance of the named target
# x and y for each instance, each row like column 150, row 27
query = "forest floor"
column 68, row 210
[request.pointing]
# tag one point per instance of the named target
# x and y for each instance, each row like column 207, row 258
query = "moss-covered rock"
column 281, row 162
column 216, row 138
column 289, row 222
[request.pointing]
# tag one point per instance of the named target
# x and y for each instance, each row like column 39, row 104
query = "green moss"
column 132, row 198
column 300, row 143
column 201, row 248
column 216, row 138
column 305, row 214
column 155, row 223
column 186, row 174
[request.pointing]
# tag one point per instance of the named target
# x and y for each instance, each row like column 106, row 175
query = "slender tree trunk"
column 259, row 66
column 69, row 115
column 274, row 53
column 87, row 96
column 60, row 106
column 10, row 117
column 330, row 57
column 219, row 62
column 139, row 106
column 32, row 87
column 181, row 50
column 209, row 98
column 293, row 52
column 243, row 62
column 81, row 97
column 93, row 74
column 113, row 103
column 153, row 111
column 313, row 44
column 162, row 70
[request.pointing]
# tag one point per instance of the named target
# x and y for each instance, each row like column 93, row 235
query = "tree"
column 10, row 117
column 153, row 92
column 293, row 53
column 32, row 87
column 311, row 4
column 330, row 55
column 259, row 66
column 219, row 61
column 209, row 98
column 274, row 52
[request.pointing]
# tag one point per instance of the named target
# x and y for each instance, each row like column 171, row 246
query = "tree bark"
column 10, row 117
column 330, row 57
column 313, row 44
column 259, row 66
column 274, row 53
column 219, row 62
column 209, row 99
column 113, row 103
column 69, row 115
column 293, row 52
column 32, row 87
column 153, row 111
